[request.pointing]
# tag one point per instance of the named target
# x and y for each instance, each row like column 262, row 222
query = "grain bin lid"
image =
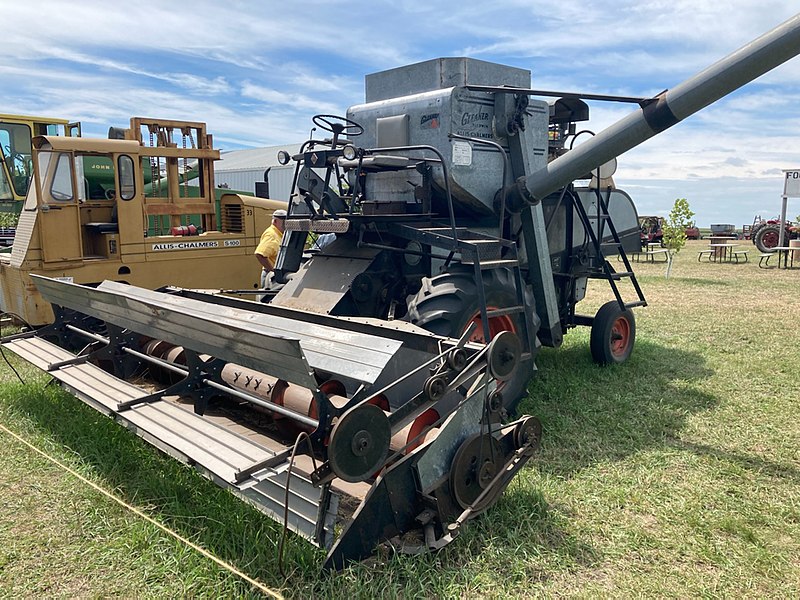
column 441, row 73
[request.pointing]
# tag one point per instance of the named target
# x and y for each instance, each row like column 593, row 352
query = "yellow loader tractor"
column 140, row 208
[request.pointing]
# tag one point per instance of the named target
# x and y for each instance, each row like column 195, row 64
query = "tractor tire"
column 767, row 237
column 613, row 334
column 447, row 304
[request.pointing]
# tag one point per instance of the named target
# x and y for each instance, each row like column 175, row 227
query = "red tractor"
column 765, row 233
column 651, row 231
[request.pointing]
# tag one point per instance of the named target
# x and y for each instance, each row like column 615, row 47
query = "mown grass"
column 677, row 474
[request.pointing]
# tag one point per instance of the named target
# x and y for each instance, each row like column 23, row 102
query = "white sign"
column 462, row 153
column 186, row 245
column 791, row 185
column 232, row 243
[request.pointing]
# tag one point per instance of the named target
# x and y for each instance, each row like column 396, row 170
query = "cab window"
column 15, row 150
column 61, row 188
column 97, row 173
column 126, row 177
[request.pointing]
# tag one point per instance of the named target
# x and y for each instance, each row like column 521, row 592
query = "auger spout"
column 663, row 111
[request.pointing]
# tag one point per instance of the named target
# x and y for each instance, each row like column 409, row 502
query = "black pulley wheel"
column 613, row 334
column 359, row 443
column 504, row 352
column 448, row 304
column 476, row 463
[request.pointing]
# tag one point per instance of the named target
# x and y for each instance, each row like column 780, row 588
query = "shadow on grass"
column 745, row 461
column 702, row 282
column 594, row 414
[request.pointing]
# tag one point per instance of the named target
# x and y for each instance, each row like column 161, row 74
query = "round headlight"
column 283, row 157
column 349, row 152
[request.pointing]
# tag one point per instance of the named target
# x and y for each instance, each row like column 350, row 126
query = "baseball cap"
column 279, row 214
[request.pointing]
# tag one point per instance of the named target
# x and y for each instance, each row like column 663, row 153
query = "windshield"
column 15, row 145
column 5, row 187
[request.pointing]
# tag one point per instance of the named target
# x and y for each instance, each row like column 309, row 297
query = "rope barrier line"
column 139, row 513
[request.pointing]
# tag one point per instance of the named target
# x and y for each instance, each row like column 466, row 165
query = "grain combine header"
column 372, row 399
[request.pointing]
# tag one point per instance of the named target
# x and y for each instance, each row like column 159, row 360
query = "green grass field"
column 676, row 474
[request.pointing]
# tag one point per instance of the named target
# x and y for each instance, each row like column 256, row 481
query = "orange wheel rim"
column 496, row 325
column 620, row 336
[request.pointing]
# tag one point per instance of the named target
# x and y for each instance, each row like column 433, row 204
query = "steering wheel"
column 16, row 156
column 337, row 125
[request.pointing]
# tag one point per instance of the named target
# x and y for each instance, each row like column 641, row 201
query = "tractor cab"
column 16, row 154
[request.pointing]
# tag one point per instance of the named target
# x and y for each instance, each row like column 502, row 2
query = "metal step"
column 495, row 264
column 621, row 275
column 636, row 303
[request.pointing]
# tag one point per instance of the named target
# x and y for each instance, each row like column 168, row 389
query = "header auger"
column 377, row 389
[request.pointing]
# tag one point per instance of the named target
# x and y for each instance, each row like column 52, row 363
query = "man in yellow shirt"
column 267, row 249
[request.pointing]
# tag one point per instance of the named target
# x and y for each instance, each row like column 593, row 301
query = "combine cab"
column 373, row 399
column 140, row 209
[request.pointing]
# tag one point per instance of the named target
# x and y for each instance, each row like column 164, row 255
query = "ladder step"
column 637, row 303
column 501, row 312
column 611, row 276
column 494, row 264
column 498, row 264
column 621, row 275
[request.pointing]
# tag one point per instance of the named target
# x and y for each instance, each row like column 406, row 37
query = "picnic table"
column 653, row 250
column 784, row 252
column 723, row 252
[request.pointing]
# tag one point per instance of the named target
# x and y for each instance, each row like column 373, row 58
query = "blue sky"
column 257, row 71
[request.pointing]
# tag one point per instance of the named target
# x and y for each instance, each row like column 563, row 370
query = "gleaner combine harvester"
column 371, row 399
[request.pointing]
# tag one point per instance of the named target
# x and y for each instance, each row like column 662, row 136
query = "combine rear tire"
column 448, row 303
column 767, row 237
column 613, row 334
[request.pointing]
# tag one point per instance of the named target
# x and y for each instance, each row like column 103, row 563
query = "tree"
column 674, row 229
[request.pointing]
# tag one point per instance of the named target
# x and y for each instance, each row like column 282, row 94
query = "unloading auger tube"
column 661, row 112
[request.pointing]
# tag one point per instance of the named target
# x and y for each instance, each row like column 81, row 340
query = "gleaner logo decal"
column 429, row 121
column 185, row 245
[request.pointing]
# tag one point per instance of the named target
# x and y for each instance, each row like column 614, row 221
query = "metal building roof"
column 253, row 159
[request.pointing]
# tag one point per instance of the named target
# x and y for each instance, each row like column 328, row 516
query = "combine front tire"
column 613, row 334
column 447, row 304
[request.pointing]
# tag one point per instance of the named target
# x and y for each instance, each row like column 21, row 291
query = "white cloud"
column 257, row 72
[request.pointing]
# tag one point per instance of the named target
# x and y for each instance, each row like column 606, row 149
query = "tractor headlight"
column 283, row 157
column 349, row 152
